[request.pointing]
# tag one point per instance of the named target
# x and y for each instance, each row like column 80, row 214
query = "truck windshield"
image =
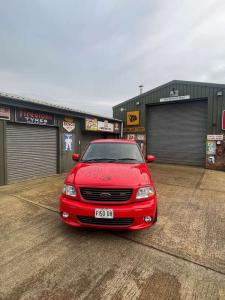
column 112, row 152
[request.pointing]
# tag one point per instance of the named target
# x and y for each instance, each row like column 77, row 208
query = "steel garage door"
column 32, row 151
column 177, row 132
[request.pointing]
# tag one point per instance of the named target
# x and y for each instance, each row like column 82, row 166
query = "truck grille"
column 110, row 222
column 106, row 195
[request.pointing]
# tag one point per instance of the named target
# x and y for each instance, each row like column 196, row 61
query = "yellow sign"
column 91, row 124
column 133, row 118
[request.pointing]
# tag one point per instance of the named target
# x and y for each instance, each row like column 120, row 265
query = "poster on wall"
column 215, row 150
column 34, row 117
column 4, row 113
column 211, row 147
column 116, row 127
column 211, row 160
column 105, row 126
column 91, row 124
column 68, row 142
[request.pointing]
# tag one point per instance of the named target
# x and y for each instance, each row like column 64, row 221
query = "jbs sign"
column 133, row 118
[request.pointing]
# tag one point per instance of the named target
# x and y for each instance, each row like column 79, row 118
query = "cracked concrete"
column 180, row 257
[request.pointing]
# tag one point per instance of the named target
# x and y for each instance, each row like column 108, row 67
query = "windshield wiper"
column 126, row 158
column 110, row 160
column 98, row 159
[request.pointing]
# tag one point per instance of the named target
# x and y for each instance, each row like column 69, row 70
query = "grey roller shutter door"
column 177, row 132
column 31, row 151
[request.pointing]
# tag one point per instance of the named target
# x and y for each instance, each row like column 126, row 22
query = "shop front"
column 178, row 122
column 38, row 139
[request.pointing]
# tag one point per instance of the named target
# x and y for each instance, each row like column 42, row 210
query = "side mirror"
column 150, row 158
column 75, row 157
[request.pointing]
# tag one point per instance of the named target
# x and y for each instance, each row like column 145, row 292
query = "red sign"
column 223, row 120
column 34, row 117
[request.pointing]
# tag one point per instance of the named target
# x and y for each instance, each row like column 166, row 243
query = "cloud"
column 94, row 54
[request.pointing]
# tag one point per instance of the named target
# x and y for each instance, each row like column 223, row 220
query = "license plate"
column 104, row 213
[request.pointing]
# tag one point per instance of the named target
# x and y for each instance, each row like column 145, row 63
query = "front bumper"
column 136, row 211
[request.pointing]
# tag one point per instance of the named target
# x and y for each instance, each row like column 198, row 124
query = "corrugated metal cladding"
column 177, row 132
column 176, row 128
column 2, row 153
column 196, row 90
column 31, row 151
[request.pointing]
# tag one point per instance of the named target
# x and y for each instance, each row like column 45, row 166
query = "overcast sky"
column 93, row 54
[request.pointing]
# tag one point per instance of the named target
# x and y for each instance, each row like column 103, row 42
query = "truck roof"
column 113, row 141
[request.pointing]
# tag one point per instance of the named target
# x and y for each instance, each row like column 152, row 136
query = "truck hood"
column 109, row 174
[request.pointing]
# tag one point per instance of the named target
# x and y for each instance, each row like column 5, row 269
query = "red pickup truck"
column 110, row 187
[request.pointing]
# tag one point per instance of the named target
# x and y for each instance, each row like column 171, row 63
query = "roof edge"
column 216, row 85
column 45, row 104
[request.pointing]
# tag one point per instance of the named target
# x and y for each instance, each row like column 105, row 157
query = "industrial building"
column 179, row 122
column 38, row 139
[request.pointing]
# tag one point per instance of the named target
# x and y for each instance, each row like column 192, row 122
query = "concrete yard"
column 181, row 257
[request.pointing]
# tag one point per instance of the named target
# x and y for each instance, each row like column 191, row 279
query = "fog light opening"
column 65, row 215
column 148, row 219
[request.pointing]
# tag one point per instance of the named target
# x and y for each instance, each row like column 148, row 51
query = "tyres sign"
column 34, row 117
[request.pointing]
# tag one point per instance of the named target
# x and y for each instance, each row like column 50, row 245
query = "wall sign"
column 211, row 147
column 174, row 98
column 68, row 142
column 91, row 124
column 215, row 137
column 34, row 117
column 131, row 137
column 223, row 120
column 141, row 137
column 134, row 129
column 105, row 126
column 4, row 113
column 116, row 127
column 68, row 126
column 133, row 117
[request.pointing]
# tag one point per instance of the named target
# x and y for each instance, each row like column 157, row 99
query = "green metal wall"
column 196, row 91
column 2, row 152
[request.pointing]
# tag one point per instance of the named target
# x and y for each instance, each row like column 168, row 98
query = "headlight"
column 69, row 190
column 145, row 192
